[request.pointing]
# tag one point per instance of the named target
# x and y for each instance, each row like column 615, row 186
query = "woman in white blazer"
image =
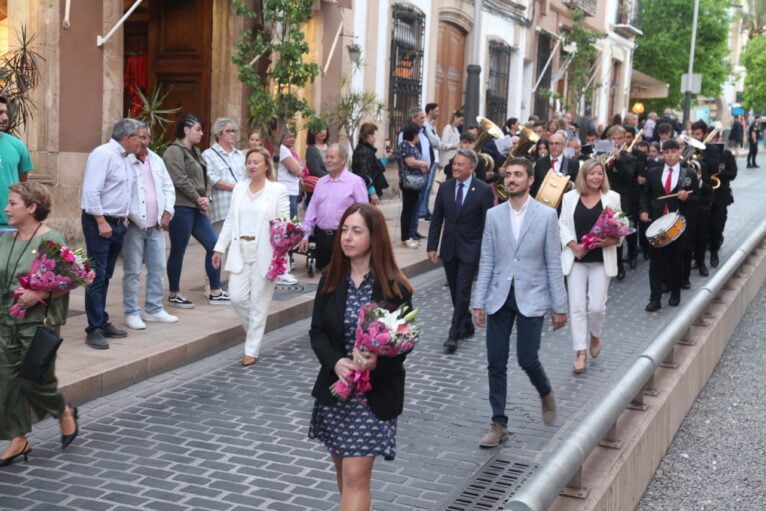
column 587, row 272
column 245, row 233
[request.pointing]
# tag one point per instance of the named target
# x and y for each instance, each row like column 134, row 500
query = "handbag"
column 414, row 181
column 42, row 351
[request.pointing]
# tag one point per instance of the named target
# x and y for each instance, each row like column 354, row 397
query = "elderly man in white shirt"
column 105, row 203
column 151, row 208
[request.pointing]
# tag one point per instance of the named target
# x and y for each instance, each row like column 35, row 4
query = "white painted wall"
column 360, row 31
column 381, row 58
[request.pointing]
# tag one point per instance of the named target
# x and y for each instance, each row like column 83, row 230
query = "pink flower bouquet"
column 609, row 224
column 386, row 333
column 54, row 268
column 284, row 234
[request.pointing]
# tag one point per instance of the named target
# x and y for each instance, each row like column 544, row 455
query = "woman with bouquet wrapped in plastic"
column 245, row 233
column 355, row 430
column 28, row 206
column 587, row 270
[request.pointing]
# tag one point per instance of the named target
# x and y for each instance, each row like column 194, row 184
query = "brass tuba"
column 489, row 131
column 689, row 156
column 525, row 144
column 713, row 178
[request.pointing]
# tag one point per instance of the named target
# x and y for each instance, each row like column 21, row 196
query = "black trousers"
column 752, row 152
column 718, row 215
column 409, row 208
column 460, row 277
column 325, row 241
column 666, row 264
column 702, row 234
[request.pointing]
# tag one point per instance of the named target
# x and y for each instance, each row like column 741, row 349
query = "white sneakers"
column 135, row 322
column 286, row 280
column 161, row 317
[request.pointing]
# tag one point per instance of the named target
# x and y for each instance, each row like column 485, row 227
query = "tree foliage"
column 19, row 75
column 663, row 50
column 754, row 60
column 351, row 107
column 274, row 43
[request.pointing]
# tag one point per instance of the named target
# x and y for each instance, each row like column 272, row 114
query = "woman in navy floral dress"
column 362, row 270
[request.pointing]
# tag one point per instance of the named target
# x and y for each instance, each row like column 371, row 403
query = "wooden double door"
column 450, row 71
column 176, row 36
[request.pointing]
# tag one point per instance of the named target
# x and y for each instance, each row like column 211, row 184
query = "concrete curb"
column 617, row 478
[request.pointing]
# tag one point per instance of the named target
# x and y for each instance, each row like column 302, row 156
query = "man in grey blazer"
column 520, row 280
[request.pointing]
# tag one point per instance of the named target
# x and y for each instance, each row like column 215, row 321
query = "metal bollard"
column 650, row 389
column 610, row 440
column 574, row 487
column 669, row 362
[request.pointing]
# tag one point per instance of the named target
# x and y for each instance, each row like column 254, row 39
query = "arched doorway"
column 450, row 69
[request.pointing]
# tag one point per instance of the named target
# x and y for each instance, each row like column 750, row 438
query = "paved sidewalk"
column 85, row 373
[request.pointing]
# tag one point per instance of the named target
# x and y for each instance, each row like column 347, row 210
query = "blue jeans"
column 142, row 245
column 499, row 326
column 189, row 222
column 103, row 253
column 425, row 193
column 293, row 206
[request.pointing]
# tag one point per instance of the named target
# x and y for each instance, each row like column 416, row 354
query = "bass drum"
column 552, row 190
column 666, row 229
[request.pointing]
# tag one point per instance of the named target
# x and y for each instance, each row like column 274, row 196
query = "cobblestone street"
column 214, row 435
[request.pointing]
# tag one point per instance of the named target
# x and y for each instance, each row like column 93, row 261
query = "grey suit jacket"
column 532, row 264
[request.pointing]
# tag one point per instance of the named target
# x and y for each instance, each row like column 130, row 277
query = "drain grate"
column 492, row 485
column 282, row 293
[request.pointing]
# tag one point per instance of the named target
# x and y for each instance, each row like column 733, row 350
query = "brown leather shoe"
column 579, row 364
column 494, row 436
column 247, row 360
column 595, row 346
column 549, row 408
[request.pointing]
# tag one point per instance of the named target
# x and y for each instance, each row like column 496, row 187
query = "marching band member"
column 722, row 197
column 710, row 161
column 621, row 174
column 555, row 160
column 667, row 263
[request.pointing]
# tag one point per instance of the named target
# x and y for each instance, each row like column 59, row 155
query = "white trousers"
column 251, row 294
column 587, row 285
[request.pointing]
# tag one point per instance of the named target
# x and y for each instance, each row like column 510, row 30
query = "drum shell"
column 667, row 235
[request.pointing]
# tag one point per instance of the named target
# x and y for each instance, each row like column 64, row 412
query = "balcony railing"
column 589, row 7
column 627, row 21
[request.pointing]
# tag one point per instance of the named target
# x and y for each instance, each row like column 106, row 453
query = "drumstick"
column 672, row 195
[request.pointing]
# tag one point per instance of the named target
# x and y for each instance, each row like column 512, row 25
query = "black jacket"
column 386, row 399
column 654, row 188
column 621, row 173
column 463, row 230
column 543, row 165
column 365, row 164
column 727, row 168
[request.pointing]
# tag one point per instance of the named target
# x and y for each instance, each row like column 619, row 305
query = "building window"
column 497, row 89
column 406, row 80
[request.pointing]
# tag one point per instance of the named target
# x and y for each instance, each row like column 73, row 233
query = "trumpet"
column 697, row 156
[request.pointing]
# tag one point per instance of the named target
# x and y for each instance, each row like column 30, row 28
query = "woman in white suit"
column 587, row 271
column 245, row 233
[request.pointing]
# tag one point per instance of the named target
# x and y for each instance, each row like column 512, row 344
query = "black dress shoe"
column 113, row 332
column 451, row 345
column 714, row 260
column 68, row 439
column 621, row 273
column 653, row 306
column 686, row 284
column 674, row 301
column 467, row 333
column 703, row 269
column 633, row 262
column 418, row 236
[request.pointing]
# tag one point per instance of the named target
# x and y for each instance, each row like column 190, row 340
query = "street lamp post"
column 473, row 84
column 688, row 92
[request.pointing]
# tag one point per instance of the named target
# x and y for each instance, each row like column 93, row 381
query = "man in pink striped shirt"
column 333, row 194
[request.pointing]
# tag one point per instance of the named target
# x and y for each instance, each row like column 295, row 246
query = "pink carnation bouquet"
column 611, row 224
column 54, row 268
column 284, row 234
column 383, row 332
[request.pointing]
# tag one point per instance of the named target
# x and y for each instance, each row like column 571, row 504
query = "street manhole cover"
column 282, row 293
column 492, row 485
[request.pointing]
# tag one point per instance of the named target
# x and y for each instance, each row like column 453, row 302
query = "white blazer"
column 567, row 229
column 278, row 204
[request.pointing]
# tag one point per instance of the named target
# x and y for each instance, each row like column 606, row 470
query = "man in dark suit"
column 711, row 158
column 460, row 207
column 667, row 263
column 722, row 197
column 556, row 161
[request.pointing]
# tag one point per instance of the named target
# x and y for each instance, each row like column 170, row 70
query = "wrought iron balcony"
column 627, row 22
column 589, row 7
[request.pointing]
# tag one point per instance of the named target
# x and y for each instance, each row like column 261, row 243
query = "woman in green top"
column 28, row 206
